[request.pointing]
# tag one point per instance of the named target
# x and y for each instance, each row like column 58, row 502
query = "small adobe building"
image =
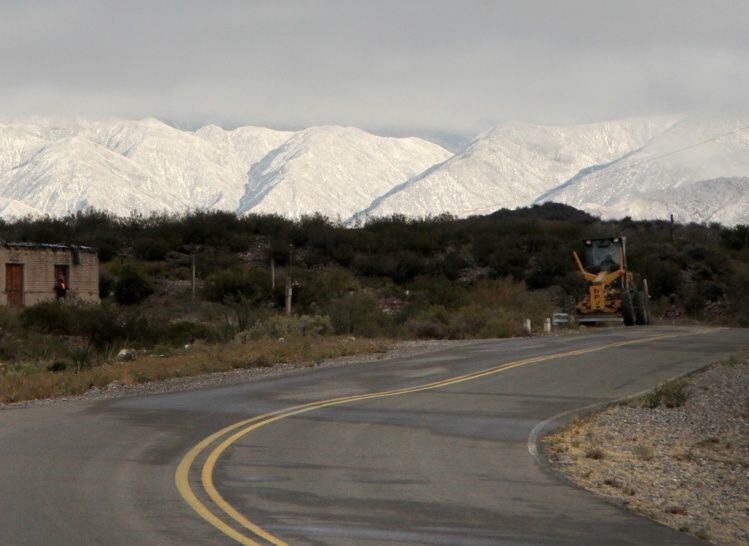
column 31, row 273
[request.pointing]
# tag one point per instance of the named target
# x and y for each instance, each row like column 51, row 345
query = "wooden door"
column 14, row 284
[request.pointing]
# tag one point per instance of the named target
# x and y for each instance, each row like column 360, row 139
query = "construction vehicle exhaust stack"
column 612, row 294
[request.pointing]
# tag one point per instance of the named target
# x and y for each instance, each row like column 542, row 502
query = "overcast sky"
column 394, row 67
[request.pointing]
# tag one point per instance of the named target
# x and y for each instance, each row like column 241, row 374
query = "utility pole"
column 288, row 284
column 672, row 228
column 193, row 278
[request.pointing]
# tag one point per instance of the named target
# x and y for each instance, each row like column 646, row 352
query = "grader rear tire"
column 628, row 309
column 641, row 313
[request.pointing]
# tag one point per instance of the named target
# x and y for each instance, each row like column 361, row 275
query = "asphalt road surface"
column 426, row 449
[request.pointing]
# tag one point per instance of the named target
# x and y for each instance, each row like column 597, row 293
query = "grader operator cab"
column 612, row 294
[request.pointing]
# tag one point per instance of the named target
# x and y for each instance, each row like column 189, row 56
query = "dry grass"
column 197, row 360
column 643, row 452
column 594, row 452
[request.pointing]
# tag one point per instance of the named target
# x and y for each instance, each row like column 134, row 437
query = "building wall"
column 39, row 273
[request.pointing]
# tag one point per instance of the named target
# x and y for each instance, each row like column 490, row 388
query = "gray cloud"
column 395, row 67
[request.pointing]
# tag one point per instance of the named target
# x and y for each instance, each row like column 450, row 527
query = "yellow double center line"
column 233, row 433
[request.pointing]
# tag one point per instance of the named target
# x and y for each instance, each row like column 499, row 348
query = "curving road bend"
column 437, row 455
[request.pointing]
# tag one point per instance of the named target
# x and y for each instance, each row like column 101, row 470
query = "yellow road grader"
column 612, row 294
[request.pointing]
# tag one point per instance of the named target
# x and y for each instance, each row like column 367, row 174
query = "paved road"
column 442, row 464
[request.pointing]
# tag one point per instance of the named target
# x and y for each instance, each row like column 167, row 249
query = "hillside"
column 685, row 170
column 334, row 171
column 511, row 165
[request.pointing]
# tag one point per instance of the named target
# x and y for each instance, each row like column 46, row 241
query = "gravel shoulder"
column 120, row 390
column 685, row 466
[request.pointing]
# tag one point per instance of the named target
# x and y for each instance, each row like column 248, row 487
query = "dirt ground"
column 678, row 455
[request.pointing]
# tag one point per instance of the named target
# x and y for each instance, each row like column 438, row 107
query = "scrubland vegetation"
column 392, row 278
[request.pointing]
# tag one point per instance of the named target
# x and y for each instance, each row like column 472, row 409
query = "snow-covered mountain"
column 75, row 173
column 120, row 166
column 335, row 171
column 697, row 170
column 693, row 166
column 117, row 166
column 250, row 144
column 511, row 165
column 17, row 145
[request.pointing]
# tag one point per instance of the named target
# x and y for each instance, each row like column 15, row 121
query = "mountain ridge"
column 616, row 168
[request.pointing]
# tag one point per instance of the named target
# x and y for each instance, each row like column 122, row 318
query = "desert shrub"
column 401, row 265
column 500, row 326
column 250, row 285
column 210, row 260
column 432, row 322
column 702, row 534
column 106, row 284
column 739, row 302
column 131, row 287
column 57, row 366
column 51, row 317
column 468, row 322
column 102, row 326
column 151, row 249
column 31, row 346
column 427, row 291
column 594, row 452
column 643, row 452
column 671, row 394
column 357, row 314
column 317, row 287
column 280, row 326
column 183, row 331
column 81, row 357
column 8, row 319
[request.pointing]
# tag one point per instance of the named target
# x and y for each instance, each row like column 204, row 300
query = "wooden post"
column 672, row 228
column 272, row 274
column 288, row 298
column 288, row 284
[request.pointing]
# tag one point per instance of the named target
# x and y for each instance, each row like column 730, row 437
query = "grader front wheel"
column 628, row 309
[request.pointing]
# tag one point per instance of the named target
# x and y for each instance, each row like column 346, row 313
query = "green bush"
column 430, row 323
column 250, row 285
column 57, row 366
column 671, row 394
column 106, row 325
column 280, row 326
column 183, row 331
column 131, row 287
column 106, row 284
column 468, row 322
column 51, row 317
column 357, row 314
column 152, row 249
column 471, row 321
column 317, row 287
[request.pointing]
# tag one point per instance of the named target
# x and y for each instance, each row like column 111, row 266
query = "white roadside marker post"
column 527, row 326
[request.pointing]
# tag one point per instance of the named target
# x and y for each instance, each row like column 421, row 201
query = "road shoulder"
column 683, row 466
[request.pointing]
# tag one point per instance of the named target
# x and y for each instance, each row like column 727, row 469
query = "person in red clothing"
column 61, row 287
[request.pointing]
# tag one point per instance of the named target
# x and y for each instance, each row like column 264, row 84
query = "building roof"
column 48, row 246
